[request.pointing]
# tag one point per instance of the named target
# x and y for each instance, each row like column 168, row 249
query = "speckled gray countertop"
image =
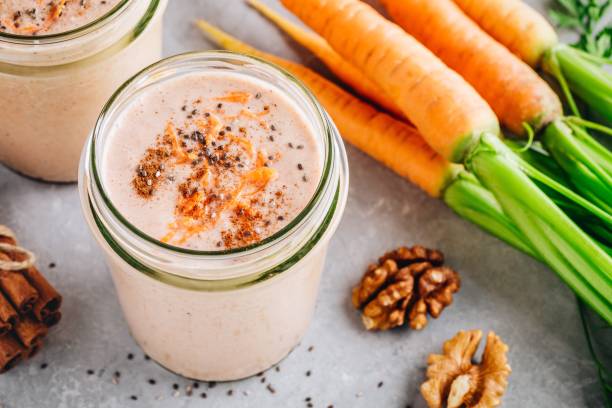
column 503, row 290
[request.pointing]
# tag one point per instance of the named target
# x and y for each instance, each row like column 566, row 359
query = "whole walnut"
column 411, row 280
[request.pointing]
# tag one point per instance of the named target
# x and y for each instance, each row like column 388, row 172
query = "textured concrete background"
column 503, row 291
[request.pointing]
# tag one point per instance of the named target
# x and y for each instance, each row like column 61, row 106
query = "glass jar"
column 228, row 314
column 52, row 87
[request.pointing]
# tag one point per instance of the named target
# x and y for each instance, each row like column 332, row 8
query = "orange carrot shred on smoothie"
column 235, row 96
column 202, row 197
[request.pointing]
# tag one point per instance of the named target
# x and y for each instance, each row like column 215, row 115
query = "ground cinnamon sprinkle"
column 226, row 174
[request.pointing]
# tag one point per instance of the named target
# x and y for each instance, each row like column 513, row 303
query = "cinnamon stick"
column 29, row 331
column 18, row 290
column 49, row 300
column 11, row 352
column 5, row 328
column 52, row 319
column 8, row 315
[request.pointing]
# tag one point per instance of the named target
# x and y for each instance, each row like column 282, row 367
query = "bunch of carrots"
column 441, row 81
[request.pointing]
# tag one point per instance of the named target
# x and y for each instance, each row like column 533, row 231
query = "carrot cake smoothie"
column 210, row 161
column 60, row 60
column 214, row 182
column 36, row 17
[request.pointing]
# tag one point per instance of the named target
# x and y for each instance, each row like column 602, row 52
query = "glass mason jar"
column 52, row 87
column 228, row 314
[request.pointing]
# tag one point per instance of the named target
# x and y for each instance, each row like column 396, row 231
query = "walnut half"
column 454, row 381
column 407, row 280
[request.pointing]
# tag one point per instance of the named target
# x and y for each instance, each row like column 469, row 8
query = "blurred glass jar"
column 52, row 87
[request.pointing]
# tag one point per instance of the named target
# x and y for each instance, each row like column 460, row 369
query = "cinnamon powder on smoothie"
column 226, row 163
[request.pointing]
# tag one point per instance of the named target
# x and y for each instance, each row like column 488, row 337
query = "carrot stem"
column 582, row 76
column 567, row 249
column 470, row 200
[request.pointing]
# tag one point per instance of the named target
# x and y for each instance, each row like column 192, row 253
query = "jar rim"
column 79, row 31
column 226, row 269
column 214, row 56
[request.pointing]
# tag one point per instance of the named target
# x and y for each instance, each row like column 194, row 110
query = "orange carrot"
column 516, row 93
column 396, row 144
column 449, row 114
column 319, row 47
column 516, row 25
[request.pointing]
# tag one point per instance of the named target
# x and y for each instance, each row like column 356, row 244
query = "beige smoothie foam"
column 44, row 17
column 211, row 161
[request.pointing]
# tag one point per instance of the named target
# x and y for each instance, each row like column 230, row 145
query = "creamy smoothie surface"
column 43, row 17
column 211, row 160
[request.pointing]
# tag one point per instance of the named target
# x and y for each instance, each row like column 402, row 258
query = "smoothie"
column 53, row 88
column 35, row 17
column 211, row 161
column 213, row 182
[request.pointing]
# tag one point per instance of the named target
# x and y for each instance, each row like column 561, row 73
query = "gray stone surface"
column 503, row 291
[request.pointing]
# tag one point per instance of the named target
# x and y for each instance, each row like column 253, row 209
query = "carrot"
column 515, row 92
column 396, row 144
column 449, row 114
column 319, row 47
column 578, row 69
column 516, row 25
